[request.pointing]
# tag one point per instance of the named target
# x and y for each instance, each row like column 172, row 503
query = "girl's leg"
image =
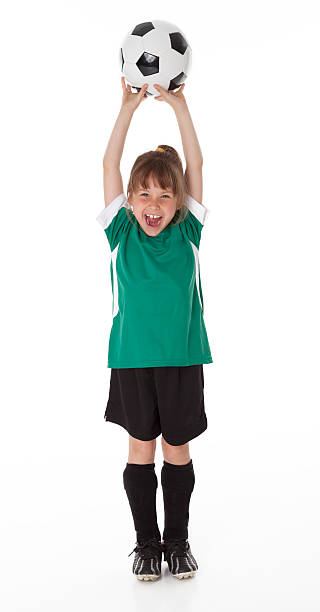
column 141, row 451
column 177, row 479
column 140, row 483
column 178, row 455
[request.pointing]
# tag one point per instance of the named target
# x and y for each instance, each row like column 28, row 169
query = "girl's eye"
column 164, row 196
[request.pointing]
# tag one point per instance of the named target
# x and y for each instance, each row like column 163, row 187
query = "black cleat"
column 181, row 562
column 147, row 560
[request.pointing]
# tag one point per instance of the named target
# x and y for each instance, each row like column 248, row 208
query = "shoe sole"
column 147, row 577
column 153, row 577
column 185, row 575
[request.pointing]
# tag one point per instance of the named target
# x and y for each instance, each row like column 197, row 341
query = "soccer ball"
column 155, row 52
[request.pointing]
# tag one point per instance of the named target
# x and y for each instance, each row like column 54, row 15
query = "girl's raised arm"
column 190, row 143
column 112, row 179
column 193, row 173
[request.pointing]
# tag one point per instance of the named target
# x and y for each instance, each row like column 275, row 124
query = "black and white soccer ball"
column 155, row 52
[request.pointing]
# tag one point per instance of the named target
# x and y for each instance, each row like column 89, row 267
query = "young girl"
column 158, row 341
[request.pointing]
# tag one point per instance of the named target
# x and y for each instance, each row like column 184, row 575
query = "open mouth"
column 153, row 221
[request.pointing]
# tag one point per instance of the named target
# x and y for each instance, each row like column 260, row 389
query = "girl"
column 158, row 341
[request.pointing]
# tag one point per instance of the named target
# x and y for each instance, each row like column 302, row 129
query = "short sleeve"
column 114, row 220
column 194, row 221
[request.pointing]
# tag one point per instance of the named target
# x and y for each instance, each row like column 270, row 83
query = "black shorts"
column 163, row 399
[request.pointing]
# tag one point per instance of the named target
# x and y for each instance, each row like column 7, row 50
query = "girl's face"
column 153, row 201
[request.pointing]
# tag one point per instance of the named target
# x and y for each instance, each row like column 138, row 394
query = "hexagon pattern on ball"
column 155, row 52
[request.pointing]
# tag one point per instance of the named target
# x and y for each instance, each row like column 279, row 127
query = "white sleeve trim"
column 109, row 212
column 199, row 210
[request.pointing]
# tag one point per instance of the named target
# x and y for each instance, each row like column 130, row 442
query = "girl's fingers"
column 163, row 92
column 127, row 89
column 143, row 90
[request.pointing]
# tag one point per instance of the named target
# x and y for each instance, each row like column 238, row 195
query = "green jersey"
column 157, row 304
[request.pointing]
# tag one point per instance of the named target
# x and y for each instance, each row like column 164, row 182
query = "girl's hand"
column 132, row 100
column 176, row 99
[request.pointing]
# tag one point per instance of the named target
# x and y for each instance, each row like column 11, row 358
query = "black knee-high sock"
column 140, row 483
column 177, row 484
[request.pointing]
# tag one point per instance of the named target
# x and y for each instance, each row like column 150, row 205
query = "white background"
column 253, row 93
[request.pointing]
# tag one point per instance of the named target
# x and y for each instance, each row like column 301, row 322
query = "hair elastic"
column 160, row 149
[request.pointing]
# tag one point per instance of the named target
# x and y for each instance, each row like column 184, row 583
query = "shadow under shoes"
column 147, row 560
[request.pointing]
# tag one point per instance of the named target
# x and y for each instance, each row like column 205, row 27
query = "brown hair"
column 166, row 167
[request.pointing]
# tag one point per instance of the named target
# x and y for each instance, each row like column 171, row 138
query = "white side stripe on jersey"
column 115, row 308
column 196, row 259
